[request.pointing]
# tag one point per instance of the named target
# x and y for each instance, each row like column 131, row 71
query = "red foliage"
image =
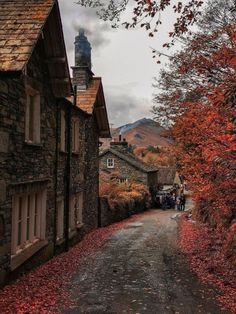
column 205, row 130
column 204, row 248
column 45, row 289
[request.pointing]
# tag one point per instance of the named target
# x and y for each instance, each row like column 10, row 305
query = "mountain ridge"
column 141, row 133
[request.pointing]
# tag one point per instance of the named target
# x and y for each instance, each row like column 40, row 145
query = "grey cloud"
column 126, row 108
column 75, row 17
column 123, row 92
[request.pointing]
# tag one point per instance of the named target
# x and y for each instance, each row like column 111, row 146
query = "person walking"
column 178, row 203
column 182, row 202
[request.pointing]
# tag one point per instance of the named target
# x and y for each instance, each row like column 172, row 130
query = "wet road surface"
column 140, row 270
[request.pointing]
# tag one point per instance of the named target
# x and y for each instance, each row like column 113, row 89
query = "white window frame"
column 31, row 228
column 60, row 219
column 32, row 116
column 75, row 135
column 63, row 131
column 110, row 163
column 123, row 180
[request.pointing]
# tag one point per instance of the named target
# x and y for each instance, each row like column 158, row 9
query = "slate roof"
column 166, row 175
column 131, row 159
column 92, row 101
column 21, row 22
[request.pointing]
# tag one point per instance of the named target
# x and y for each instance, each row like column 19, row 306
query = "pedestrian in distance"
column 182, row 202
column 173, row 200
column 178, row 203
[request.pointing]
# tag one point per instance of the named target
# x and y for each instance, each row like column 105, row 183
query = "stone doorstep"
column 20, row 258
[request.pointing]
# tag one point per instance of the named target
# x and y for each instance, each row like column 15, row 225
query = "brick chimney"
column 82, row 73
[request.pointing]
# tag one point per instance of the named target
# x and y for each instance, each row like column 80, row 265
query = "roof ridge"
column 132, row 159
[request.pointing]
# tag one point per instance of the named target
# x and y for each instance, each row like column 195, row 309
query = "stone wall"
column 110, row 213
column 123, row 168
column 91, row 175
column 21, row 163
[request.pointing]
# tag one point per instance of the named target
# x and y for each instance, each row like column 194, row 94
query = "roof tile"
column 20, row 24
column 86, row 99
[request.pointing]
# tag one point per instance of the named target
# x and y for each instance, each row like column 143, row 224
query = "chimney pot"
column 82, row 73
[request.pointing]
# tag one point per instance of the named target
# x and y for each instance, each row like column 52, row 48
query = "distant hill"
column 142, row 133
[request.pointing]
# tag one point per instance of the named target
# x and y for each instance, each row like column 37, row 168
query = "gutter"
column 56, row 177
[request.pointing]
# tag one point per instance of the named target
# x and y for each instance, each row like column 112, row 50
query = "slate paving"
column 139, row 270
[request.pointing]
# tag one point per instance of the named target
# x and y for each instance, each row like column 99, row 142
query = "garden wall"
column 110, row 212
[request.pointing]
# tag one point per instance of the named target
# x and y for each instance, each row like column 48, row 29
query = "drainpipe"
column 56, row 177
column 67, row 178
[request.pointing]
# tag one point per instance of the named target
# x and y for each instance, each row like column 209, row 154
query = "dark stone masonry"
column 49, row 144
column 117, row 211
column 119, row 162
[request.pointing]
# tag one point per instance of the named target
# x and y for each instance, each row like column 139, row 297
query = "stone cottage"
column 118, row 162
column 48, row 140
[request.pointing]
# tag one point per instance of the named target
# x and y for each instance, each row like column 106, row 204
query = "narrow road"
column 139, row 270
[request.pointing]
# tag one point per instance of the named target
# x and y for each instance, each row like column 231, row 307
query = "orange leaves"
column 205, row 248
column 233, row 61
column 206, row 146
column 216, row 96
column 46, row 290
column 116, row 192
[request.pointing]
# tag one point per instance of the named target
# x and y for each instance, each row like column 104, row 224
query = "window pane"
column 36, row 215
column 63, row 130
column 31, row 117
column 28, row 219
column 19, row 222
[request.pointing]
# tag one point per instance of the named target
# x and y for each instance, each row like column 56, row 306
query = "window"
column 110, row 163
column 75, row 135
column 63, row 131
column 32, row 116
column 79, row 204
column 60, row 220
column 123, row 180
column 28, row 220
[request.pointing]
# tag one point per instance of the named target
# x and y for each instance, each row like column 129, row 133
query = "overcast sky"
column 123, row 58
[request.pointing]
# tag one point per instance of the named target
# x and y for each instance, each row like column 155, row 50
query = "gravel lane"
column 140, row 270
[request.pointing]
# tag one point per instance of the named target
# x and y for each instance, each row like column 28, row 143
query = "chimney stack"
column 82, row 73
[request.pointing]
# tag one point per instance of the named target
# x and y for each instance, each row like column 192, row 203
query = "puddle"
column 134, row 225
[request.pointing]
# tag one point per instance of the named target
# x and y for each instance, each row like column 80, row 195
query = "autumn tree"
column 200, row 65
column 148, row 13
column 197, row 92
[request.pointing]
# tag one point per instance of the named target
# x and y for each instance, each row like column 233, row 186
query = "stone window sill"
column 29, row 143
column 72, row 234
column 25, row 254
column 60, row 241
column 75, row 153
